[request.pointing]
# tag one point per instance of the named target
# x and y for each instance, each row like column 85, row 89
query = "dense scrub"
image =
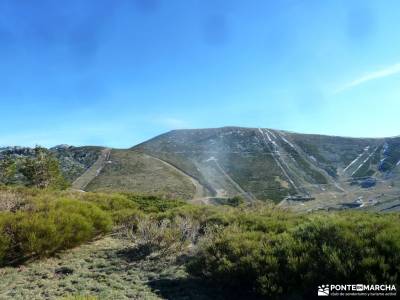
column 47, row 227
column 249, row 250
column 264, row 251
column 37, row 223
column 270, row 254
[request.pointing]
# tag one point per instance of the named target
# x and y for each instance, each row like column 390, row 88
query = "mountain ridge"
column 254, row 163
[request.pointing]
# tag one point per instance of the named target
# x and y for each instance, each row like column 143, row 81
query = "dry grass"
column 163, row 237
column 11, row 201
column 110, row 268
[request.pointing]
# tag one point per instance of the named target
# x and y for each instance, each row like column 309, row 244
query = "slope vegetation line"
column 273, row 149
column 364, row 161
column 82, row 181
column 200, row 191
column 356, row 159
column 247, row 195
column 312, row 165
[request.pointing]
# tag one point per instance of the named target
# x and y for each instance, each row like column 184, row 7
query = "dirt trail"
column 200, row 191
column 82, row 181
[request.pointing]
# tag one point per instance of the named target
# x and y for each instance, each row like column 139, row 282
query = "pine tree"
column 8, row 169
column 43, row 170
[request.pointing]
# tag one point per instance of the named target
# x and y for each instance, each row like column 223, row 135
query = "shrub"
column 287, row 256
column 58, row 225
column 164, row 236
column 80, row 297
column 154, row 204
column 10, row 201
column 100, row 220
column 121, row 208
column 235, row 201
column 4, row 242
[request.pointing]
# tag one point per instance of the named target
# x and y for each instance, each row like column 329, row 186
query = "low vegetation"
column 250, row 250
column 288, row 254
column 43, row 225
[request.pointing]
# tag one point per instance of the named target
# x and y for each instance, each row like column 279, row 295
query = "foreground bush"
column 121, row 209
column 39, row 232
column 271, row 262
column 254, row 251
column 38, row 223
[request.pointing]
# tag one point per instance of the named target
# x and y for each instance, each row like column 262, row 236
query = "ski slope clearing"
column 83, row 181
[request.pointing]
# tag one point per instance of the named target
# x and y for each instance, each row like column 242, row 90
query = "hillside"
column 130, row 171
column 254, row 163
column 272, row 164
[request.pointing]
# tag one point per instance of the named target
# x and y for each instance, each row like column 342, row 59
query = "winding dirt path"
column 200, row 191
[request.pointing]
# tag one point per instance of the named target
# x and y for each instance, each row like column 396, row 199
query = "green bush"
column 79, row 297
column 121, row 208
column 255, row 249
column 4, row 241
column 154, row 204
column 280, row 255
column 100, row 220
column 49, row 220
column 58, row 225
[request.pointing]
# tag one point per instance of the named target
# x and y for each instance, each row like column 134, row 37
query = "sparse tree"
column 43, row 170
column 235, row 201
column 8, row 169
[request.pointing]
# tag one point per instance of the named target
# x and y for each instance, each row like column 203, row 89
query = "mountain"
column 306, row 171
column 272, row 164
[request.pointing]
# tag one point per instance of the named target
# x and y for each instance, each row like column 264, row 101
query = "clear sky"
column 115, row 72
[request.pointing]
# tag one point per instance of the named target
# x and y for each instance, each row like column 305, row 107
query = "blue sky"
column 118, row 72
